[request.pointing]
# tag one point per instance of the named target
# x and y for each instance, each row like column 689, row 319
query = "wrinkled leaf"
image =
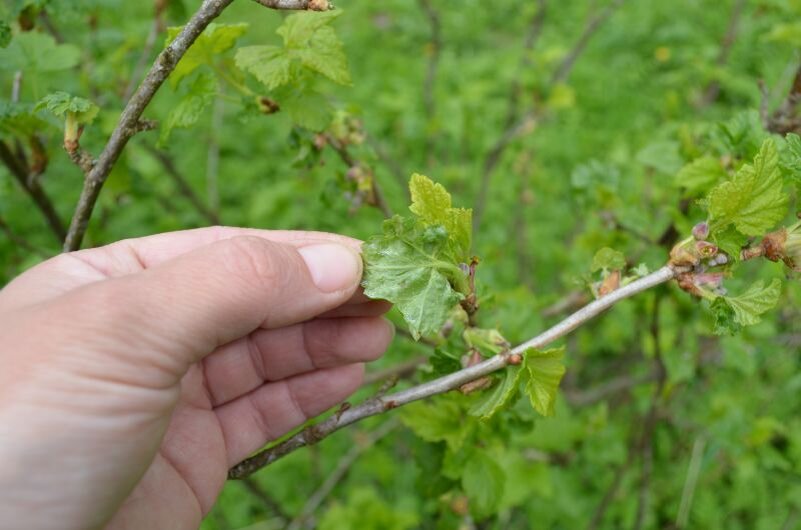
column 733, row 312
column 700, row 175
column 269, row 64
column 60, row 104
column 408, row 265
column 432, row 204
column 753, row 201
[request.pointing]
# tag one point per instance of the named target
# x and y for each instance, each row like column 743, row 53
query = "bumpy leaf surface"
column 753, row 201
column 61, row 103
column 733, row 312
column 409, row 266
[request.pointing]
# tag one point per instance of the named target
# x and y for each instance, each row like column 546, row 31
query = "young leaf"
column 408, row 265
column 499, row 396
column 700, row 175
column 483, row 481
column 432, row 204
column 299, row 28
column 325, row 55
column 792, row 162
column 33, row 51
column 62, row 104
column 269, row 64
column 189, row 109
column 753, row 201
column 733, row 312
column 216, row 39
column 609, row 260
column 545, row 371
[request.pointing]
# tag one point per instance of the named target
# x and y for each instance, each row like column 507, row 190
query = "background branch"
column 378, row 405
column 128, row 125
column 429, row 98
column 182, row 184
column 34, row 189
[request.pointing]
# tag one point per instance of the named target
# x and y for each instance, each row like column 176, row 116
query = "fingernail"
column 332, row 267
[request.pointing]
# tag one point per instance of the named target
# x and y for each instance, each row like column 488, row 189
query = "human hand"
column 133, row 376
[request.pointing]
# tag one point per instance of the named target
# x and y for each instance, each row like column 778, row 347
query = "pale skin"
column 133, row 376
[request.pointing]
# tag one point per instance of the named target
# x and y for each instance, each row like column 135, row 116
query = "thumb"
column 177, row 312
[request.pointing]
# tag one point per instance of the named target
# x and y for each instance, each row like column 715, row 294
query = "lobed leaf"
column 754, row 200
column 32, row 51
column 733, row 312
column 60, row 104
column 408, row 265
column 432, row 204
column 700, row 175
column 608, row 259
column 216, row 39
column 269, row 64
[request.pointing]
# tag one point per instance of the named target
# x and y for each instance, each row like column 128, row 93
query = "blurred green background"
column 594, row 145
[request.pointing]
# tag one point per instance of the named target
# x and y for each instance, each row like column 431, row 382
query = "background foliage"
column 661, row 423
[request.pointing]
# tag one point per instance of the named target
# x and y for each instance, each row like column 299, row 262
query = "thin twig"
column 336, row 476
column 429, row 98
column 129, row 120
column 374, row 406
column 377, row 199
column 401, row 370
column 564, row 69
column 20, row 241
column 688, row 492
column 713, row 89
column 525, row 123
column 646, row 446
column 614, row 386
column 150, row 42
column 297, row 5
column 182, row 184
column 266, row 499
column 34, row 189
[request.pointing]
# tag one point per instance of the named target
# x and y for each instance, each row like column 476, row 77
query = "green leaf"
column 608, row 259
column 326, row 55
column 753, row 201
column 19, row 120
column 216, row 39
column 499, row 396
column 32, row 51
column 439, row 421
column 298, row 29
column 730, row 241
column 191, row 106
column 792, row 158
column 431, row 202
column 5, row 34
column 545, row 372
column 409, row 266
column 62, row 104
column 700, row 175
column 483, row 481
column 308, row 109
column 749, row 306
column 269, row 64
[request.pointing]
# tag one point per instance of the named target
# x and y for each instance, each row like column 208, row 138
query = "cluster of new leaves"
column 747, row 204
column 420, row 263
column 75, row 111
column 311, row 51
